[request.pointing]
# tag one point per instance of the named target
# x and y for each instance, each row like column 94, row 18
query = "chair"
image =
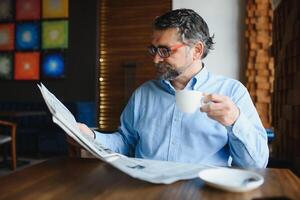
column 12, row 138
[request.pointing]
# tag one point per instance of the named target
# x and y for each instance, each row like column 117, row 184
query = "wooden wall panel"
column 286, row 98
column 260, row 63
column 125, row 28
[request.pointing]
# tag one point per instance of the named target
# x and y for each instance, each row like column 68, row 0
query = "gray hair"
column 190, row 26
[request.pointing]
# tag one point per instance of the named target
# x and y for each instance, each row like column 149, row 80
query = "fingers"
column 214, row 98
column 204, row 108
column 214, row 108
column 81, row 125
column 220, row 108
column 84, row 129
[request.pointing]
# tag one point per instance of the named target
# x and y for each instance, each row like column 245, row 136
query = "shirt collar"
column 167, row 86
column 200, row 78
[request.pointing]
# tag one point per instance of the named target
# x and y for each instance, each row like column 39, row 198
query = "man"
column 152, row 127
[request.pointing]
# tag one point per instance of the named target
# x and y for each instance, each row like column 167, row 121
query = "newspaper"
column 160, row 172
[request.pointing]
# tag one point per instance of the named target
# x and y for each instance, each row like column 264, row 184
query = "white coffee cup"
column 188, row 101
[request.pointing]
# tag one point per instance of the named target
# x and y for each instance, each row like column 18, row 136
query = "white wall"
column 225, row 19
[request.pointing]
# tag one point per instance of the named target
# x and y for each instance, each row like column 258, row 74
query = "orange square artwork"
column 27, row 66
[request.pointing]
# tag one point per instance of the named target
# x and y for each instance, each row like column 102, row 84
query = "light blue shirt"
column 152, row 127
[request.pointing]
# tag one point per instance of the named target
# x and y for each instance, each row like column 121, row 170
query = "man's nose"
column 157, row 58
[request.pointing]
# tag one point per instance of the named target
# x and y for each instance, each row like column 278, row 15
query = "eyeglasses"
column 163, row 51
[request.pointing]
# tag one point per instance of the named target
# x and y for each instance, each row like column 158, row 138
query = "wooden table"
column 75, row 178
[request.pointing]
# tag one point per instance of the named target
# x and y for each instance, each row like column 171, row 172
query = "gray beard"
column 165, row 71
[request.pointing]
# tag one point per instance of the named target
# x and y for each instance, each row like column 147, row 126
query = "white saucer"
column 233, row 180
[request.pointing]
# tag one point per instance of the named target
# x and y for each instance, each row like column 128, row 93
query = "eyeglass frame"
column 169, row 50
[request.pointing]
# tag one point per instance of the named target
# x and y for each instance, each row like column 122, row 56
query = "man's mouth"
column 162, row 70
column 162, row 67
column 165, row 71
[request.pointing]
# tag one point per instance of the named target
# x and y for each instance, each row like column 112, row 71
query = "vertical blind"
column 125, row 29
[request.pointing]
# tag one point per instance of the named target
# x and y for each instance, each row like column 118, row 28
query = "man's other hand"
column 220, row 108
column 86, row 130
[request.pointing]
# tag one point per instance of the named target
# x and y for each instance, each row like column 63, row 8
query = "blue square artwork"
column 53, row 65
column 27, row 36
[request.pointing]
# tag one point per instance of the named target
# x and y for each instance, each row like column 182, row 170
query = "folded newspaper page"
column 160, row 172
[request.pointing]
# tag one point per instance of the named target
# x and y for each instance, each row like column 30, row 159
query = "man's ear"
column 199, row 50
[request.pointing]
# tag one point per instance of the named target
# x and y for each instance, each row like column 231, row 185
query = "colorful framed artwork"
column 34, row 35
column 28, row 36
column 27, row 66
column 7, row 33
column 6, row 10
column 53, row 65
column 6, row 66
column 55, row 9
column 55, row 34
column 28, row 9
